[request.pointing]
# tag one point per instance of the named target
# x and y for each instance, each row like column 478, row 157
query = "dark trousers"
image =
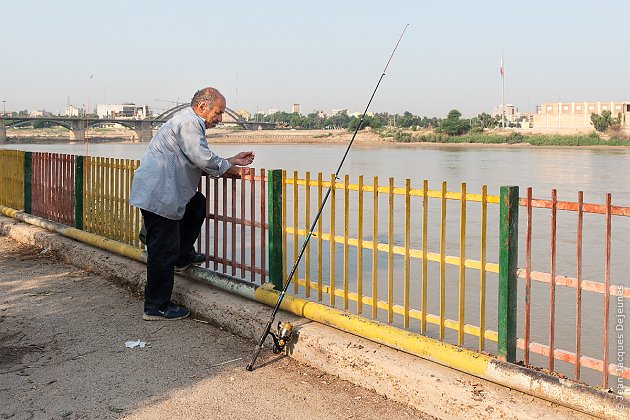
column 169, row 243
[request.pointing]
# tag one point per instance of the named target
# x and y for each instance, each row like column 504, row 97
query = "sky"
column 321, row 54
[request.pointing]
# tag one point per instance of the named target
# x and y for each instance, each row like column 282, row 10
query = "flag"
column 501, row 68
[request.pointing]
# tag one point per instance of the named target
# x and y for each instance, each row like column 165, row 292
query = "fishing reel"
column 282, row 337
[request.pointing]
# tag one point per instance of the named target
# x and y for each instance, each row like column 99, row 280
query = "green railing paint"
column 78, row 192
column 508, row 259
column 28, row 182
column 274, row 214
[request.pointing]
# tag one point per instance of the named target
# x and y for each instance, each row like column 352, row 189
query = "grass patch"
column 514, row 137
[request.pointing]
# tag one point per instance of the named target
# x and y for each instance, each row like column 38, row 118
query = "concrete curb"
column 378, row 368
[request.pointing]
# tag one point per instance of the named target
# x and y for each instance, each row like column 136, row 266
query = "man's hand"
column 242, row 159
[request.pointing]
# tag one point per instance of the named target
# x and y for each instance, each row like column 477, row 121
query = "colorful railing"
column 12, row 187
column 384, row 258
column 423, row 260
column 600, row 290
column 106, row 208
column 398, row 252
column 53, row 187
column 234, row 234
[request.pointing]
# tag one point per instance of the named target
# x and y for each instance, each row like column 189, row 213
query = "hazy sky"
column 321, row 54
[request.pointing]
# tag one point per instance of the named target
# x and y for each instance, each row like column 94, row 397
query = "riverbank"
column 501, row 138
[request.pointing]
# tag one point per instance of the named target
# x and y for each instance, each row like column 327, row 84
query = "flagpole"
column 502, row 93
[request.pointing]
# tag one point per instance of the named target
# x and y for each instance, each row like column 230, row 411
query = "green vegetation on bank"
column 592, row 139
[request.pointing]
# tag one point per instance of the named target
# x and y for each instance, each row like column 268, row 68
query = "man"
column 164, row 188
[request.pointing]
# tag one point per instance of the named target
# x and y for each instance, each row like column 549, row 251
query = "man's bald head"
column 209, row 95
column 209, row 104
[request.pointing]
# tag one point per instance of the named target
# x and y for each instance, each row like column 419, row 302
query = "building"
column 128, row 111
column 72, row 111
column 511, row 113
column 40, row 113
column 227, row 118
column 295, row 109
column 578, row 114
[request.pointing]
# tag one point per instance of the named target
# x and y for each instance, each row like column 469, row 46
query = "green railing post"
column 508, row 261
column 274, row 213
column 78, row 192
column 28, row 182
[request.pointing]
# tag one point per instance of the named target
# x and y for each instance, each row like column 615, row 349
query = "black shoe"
column 170, row 313
column 195, row 259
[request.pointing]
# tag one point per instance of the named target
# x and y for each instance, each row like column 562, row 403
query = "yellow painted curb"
column 416, row 344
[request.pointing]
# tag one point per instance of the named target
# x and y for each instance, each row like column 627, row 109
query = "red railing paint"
column 578, row 289
column 53, row 187
column 224, row 222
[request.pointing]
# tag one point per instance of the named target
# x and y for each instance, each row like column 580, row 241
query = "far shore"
column 224, row 136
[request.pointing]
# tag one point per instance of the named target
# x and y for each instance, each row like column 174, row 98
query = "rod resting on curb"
column 263, row 337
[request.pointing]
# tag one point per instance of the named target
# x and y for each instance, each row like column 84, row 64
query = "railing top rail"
column 573, row 206
column 455, row 195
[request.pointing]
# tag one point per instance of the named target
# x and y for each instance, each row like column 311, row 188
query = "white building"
column 72, row 111
column 127, row 111
column 511, row 112
column 40, row 113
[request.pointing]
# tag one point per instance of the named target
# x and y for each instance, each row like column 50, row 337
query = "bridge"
column 143, row 129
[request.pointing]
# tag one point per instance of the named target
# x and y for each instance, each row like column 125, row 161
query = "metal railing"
column 53, row 187
column 12, row 178
column 428, row 261
column 602, row 289
column 399, row 250
column 106, row 208
column 234, row 234
column 381, row 250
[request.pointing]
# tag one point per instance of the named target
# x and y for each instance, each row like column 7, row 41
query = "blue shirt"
column 170, row 171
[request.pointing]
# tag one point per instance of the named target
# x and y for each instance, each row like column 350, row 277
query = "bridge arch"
column 51, row 121
column 163, row 117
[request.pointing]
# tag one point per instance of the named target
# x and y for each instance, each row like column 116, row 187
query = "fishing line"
column 281, row 329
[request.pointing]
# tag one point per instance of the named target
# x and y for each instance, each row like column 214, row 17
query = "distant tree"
column 453, row 125
column 486, row 120
column 368, row 121
column 339, row 120
column 605, row 120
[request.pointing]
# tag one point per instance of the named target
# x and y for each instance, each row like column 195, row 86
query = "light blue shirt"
column 171, row 169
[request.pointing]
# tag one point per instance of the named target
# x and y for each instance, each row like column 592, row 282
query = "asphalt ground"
column 63, row 356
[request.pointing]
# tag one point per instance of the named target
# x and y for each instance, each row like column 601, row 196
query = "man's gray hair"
column 206, row 94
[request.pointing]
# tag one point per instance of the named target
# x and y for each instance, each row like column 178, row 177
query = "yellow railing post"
column 390, row 253
column 442, row 259
column 375, row 250
column 360, row 247
column 406, row 279
column 331, row 283
column 462, row 267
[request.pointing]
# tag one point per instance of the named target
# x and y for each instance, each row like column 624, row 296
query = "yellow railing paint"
column 106, row 208
column 12, row 178
column 406, row 209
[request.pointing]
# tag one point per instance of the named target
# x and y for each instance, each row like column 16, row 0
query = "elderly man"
column 164, row 188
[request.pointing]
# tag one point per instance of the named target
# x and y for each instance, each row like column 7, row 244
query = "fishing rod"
column 285, row 331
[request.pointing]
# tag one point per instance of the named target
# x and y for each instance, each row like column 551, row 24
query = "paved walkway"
column 62, row 355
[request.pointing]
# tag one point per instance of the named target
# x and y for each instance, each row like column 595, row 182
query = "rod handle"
column 250, row 365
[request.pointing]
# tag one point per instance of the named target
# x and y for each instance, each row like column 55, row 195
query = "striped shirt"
column 172, row 166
